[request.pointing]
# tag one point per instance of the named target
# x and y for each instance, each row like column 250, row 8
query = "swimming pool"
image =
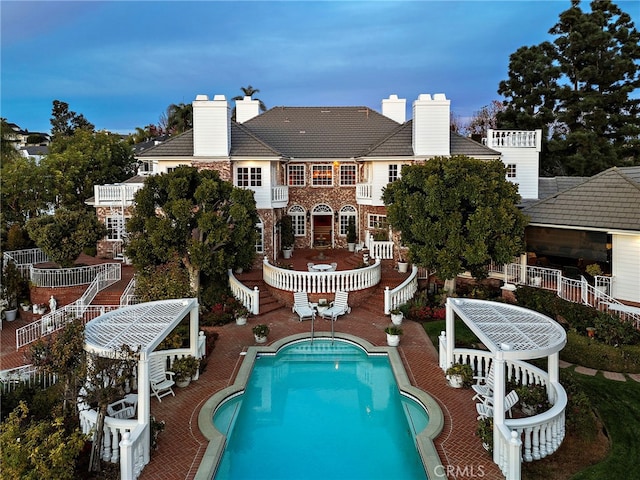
column 321, row 411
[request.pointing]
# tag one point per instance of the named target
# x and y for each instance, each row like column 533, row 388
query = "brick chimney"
column 246, row 109
column 395, row 108
column 431, row 125
column 211, row 126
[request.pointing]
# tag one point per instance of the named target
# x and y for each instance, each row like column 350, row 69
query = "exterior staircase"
column 111, row 294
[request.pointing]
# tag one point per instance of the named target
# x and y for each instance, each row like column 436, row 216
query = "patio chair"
column 334, row 265
column 302, row 306
column 338, row 307
column 123, row 408
column 359, row 247
column 484, row 390
column 160, row 379
column 487, row 408
column 310, row 267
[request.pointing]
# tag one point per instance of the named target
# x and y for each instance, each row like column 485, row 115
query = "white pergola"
column 510, row 333
column 142, row 326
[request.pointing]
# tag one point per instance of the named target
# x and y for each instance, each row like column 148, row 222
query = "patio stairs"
column 111, row 294
column 252, row 279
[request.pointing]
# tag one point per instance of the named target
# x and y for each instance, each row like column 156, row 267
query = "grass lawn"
column 616, row 404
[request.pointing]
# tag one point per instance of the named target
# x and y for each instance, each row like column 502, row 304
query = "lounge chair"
column 484, row 390
column 338, row 307
column 160, row 379
column 486, row 409
column 123, row 408
column 302, row 306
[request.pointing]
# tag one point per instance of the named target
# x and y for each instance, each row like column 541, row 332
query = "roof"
column 144, row 325
column 548, row 186
column 609, row 200
column 319, row 132
column 517, row 332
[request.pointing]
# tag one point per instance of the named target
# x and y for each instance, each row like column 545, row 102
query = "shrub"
column 464, row 370
column 590, row 353
column 537, row 299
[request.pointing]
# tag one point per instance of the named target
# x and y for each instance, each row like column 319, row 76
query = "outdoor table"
column 322, row 267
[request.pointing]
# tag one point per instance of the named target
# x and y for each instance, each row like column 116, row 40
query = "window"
column 260, row 238
column 322, row 175
column 115, row 227
column 249, row 177
column 296, row 175
column 394, row 171
column 347, row 174
column 378, row 221
column 297, row 213
column 511, row 170
column 346, row 213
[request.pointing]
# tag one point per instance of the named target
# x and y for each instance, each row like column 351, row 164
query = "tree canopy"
column 578, row 89
column 65, row 122
column 456, row 214
column 65, row 234
column 206, row 222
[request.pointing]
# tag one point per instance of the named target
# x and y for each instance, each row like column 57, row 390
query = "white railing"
column 27, row 374
column 128, row 296
column 71, row 277
column 572, row 290
column 122, row 441
column 321, row 282
column 402, row 293
column 279, row 195
column 380, row 249
column 249, row 298
column 120, row 194
column 535, row 437
column 364, row 191
column 57, row 319
column 24, row 259
column 513, row 138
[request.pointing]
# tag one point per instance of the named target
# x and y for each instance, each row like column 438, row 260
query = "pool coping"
column 424, row 440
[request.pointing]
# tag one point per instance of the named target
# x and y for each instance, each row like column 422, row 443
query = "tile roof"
column 319, row 132
column 609, row 200
column 548, row 186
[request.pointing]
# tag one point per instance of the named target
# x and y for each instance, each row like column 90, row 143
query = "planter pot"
column 455, row 381
column 352, row 247
column 26, row 308
column 11, row 315
column 396, row 318
column 286, row 252
column 241, row 320
column 260, row 338
column 183, row 383
column 393, row 340
column 403, row 267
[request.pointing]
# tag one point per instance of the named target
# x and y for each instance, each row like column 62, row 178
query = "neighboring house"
column 325, row 165
column 36, row 152
column 592, row 220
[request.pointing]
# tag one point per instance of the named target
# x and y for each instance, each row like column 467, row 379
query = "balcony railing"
column 116, row 194
column 513, row 138
column 364, row 192
column 321, row 282
column 279, row 196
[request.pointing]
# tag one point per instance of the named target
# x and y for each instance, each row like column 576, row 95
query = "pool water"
column 321, row 411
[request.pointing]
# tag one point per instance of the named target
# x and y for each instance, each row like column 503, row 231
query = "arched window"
column 346, row 213
column 296, row 212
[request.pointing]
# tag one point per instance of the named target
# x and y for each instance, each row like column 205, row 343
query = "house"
column 593, row 220
column 321, row 165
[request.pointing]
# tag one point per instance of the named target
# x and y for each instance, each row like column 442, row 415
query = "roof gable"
column 608, row 200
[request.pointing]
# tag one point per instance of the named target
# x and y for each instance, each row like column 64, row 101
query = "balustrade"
column 402, row 293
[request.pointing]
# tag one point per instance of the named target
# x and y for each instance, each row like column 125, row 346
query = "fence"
column 402, row 293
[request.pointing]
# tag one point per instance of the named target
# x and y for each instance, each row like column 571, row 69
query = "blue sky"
column 121, row 63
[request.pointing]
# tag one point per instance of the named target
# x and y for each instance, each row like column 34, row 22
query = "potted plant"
column 533, row 398
column 12, row 284
column 484, row 430
column 25, row 305
column 287, row 235
column 460, row 375
column 393, row 335
column 403, row 264
column 396, row 316
column 351, row 234
column 185, row 369
column 260, row 332
column 241, row 314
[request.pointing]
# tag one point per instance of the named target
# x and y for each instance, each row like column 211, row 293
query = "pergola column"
column 553, row 369
column 451, row 332
column 144, row 400
column 498, row 400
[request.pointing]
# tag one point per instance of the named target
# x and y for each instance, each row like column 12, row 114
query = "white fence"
column 128, row 296
column 71, row 277
column 402, row 293
column 27, row 375
column 530, row 438
column 249, row 298
column 321, row 282
column 23, row 259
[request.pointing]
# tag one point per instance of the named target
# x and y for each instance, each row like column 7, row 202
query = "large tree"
column 65, row 122
column 65, row 234
column 456, row 214
column 76, row 163
column 579, row 90
column 177, row 119
column 206, row 222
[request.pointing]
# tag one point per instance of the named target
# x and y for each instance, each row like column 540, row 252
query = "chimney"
column 395, row 108
column 246, row 109
column 211, row 126
column 431, row 125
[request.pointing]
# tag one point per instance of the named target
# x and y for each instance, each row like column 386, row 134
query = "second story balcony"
column 116, row 195
column 279, row 196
